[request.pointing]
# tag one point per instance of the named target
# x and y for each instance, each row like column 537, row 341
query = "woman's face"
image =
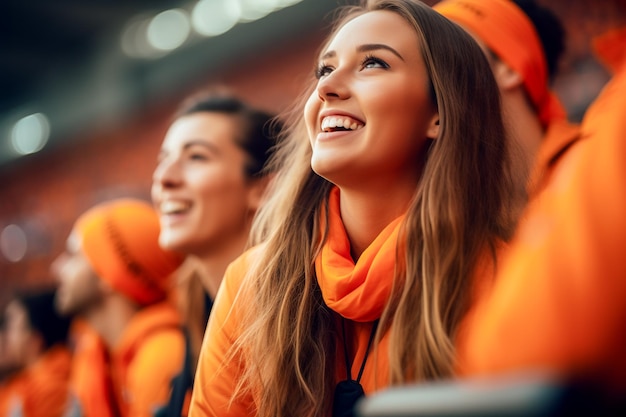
column 199, row 187
column 369, row 117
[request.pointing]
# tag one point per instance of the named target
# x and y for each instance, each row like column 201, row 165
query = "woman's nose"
column 334, row 85
column 166, row 173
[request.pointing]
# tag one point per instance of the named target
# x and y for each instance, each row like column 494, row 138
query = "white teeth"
column 331, row 122
column 169, row 207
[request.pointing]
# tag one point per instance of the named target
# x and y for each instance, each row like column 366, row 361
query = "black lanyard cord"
column 367, row 351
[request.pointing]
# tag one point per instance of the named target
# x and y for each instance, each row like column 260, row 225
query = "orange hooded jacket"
column 133, row 379
column 42, row 389
column 91, row 380
column 559, row 302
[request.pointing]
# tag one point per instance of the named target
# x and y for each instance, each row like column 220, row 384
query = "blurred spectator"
column 523, row 42
column 36, row 345
column 559, row 302
column 208, row 183
column 115, row 276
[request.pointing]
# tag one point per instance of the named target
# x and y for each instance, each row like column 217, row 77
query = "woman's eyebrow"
column 200, row 142
column 376, row 46
column 366, row 48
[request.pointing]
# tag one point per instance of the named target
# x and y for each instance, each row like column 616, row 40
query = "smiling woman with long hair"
column 383, row 225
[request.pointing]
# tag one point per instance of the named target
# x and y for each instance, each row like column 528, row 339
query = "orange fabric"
column 559, row 300
column 91, row 379
column 358, row 291
column 610, row 50
column 133, row 379
column 42, row 389
column 10, row 390
column 559, row 136
column 120, row 239
column 508, row 32
column 149, row 354
column 216, row 379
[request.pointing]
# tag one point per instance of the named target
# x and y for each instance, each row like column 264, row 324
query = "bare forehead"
column 379, row 26
column 202, row 125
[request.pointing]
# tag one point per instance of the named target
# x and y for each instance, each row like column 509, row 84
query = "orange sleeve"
column 559, row 302
column 5, row 397
column 153, row 367
column 10, row 393
column 47, row 393
column 216, row 378
column 41, row 390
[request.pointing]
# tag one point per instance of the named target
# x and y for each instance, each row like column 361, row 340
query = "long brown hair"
column 459, row 210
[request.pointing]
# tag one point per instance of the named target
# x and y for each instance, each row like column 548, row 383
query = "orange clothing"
column 559, row 136
column 40, row 390
column 559, row 302
column 215, row 380
column 346, row 290
column 133, row 379
column 149, row 354
column 91, row 380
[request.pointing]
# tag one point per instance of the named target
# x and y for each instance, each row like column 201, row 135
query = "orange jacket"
column 133, row 379
column 215, row 380
column 559, row 136
column 91, row 380
column 559, row 302
column 149, row 354
column 42, row 389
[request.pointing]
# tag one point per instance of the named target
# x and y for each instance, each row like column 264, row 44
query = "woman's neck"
column 213, row 263
column 366, row 214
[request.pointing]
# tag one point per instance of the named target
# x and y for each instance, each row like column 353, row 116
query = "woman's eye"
column 322, row 71
column 198, row 157
column 373, row 62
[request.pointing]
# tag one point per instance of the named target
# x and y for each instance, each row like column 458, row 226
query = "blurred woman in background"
column 209, row 181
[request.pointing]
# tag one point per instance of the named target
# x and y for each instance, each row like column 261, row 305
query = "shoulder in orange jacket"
column 10, row 388
column 559, row 136
column 42, row 389
column 559, row 300
column 91, row 380
column 149, row 354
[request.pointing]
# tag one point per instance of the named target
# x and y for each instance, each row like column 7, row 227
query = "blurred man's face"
column 79, row 286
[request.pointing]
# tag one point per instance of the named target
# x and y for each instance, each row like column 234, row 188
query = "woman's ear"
column 433, row 127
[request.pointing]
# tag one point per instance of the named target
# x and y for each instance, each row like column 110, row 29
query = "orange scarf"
column 358, row 291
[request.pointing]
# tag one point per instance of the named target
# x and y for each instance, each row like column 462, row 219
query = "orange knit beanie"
column 120, row 240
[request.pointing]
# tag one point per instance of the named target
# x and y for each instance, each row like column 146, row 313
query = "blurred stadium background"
column 87, row 88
